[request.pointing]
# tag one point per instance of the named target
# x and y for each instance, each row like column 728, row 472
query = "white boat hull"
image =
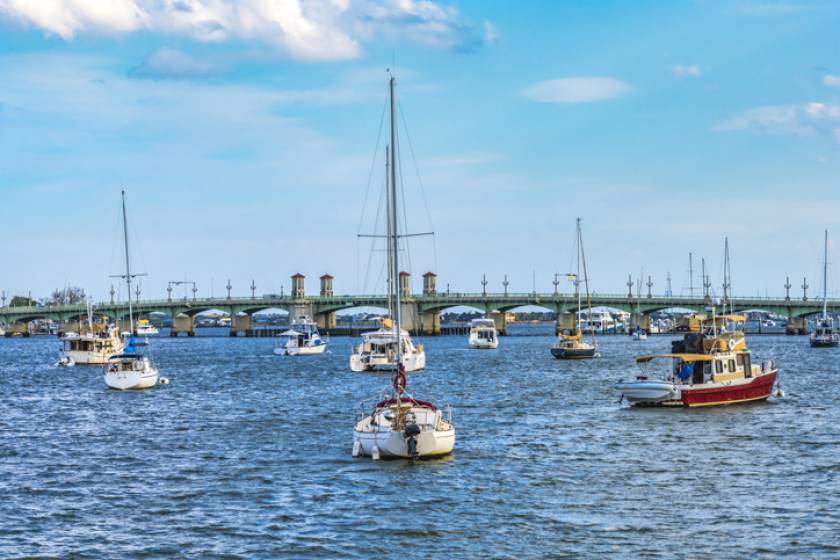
column 481, row 344
column 648, row 390
column 85, row 358
column 415, row 361
column 301, row 351
column 394, row 445
column 124, row 380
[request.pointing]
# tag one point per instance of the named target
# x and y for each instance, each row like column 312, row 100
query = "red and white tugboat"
column 709, row 368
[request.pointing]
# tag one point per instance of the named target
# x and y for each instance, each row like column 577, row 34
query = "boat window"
column 719, row 366
column 732, row 365
column 747, row 365
column 697, row 374
column 740, row 359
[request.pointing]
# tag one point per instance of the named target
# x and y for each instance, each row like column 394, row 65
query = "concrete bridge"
column 421, row 313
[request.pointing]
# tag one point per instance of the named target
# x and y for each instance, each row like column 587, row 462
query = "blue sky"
column 244, row 134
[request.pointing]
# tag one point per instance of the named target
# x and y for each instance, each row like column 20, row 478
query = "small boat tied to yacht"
column 824, row 334
column 302, row 339
column 712, row 367
column 400, row 426
column 133, row 368
column 483, row 334
column 571, row 346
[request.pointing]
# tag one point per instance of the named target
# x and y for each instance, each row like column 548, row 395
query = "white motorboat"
column 145, row 328
column 302, row 339
column 133, row 368
column 399, row 426
column 483, row 334
column 639, row 333
column 379, row 348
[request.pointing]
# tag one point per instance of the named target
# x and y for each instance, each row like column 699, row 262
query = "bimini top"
column 683, row 357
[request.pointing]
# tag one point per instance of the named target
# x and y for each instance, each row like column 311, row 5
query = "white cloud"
column 799, row 120
column 167, row 63
column 686, row 71
column 580, row 89
column 304, row 29
column 831, row 80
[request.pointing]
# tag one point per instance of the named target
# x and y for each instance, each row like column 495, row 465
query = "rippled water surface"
column 247, row 454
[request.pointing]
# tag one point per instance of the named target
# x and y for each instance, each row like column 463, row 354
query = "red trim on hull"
column 758, row 389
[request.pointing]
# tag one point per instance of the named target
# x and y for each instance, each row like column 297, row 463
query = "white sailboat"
column 133, row 368
column 401, row 426
column 483, row 334
column 377, row 349
column 572, row 346
column 824, row 335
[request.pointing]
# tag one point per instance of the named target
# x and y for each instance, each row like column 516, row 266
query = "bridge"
column 421, row 313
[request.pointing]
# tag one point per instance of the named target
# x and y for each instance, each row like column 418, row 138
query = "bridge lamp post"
column 228, row 289
column 484, row 285
column 194, row 291
column 787, row 288
column 556, row 283
column 630, row 286
column 649, row 286
column 805, row 287
column 505, row 284
column 253, row 289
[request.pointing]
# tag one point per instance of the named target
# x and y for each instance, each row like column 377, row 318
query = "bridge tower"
column 298, row 291
column 429, row 284
column 326, row 320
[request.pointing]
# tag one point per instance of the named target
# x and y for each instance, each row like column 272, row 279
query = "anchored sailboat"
column 572, row 346
column 824, row 335
column 133, row 369
column 400, row 426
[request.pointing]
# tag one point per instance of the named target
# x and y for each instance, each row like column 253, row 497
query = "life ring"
column 732, row 344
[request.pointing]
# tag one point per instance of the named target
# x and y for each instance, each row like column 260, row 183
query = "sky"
column 247, row 137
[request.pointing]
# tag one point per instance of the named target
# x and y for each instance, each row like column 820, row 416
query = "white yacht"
column 483, row 334
column 133, row 368
column 94, row 345
column 399, row 425
column 302, row 339
column 379, row 348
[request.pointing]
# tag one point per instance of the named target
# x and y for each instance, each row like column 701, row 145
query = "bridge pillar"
column 565, row 322
column 410, row 317
column 182, row 323
column 796, row 325
column 326, row 320
column 240, row 323
column 500, row 318
column 17, row 329
column 639, row 320
column 430, row 323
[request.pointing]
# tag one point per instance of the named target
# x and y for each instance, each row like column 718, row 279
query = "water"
column 247, row 454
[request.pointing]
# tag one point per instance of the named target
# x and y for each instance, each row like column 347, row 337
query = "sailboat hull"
column 126, row 380
column 573, row 353
column 394, row 445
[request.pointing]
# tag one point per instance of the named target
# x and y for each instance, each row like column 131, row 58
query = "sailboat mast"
column 825, row 278
column 391, row 278
column 127, row 266
column 577, row 273
column 395, row 271
column 585, row 279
